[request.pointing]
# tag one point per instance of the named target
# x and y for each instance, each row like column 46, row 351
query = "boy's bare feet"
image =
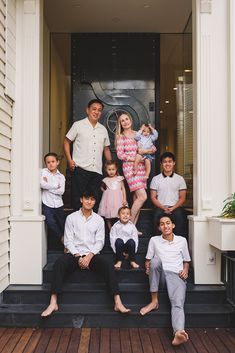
column 134, row 264
column 179, row 338
column 49, row 310
column 118, row 265
column 146, row 309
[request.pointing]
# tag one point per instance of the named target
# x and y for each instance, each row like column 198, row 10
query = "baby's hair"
column 108, row 163
column 123, row 208
column 147, row 125
column 51, row 154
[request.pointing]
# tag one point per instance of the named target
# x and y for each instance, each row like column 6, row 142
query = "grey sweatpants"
column 176, row 288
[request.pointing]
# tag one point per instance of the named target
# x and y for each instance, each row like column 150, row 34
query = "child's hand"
column 45, row 179
column 154, row 149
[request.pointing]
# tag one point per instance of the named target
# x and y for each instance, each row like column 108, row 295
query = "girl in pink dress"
column 114, row 193
column 126, row 146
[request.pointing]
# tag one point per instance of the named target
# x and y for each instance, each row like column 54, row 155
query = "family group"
column 96, row 199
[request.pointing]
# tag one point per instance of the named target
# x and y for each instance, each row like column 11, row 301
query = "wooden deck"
column 75, row 340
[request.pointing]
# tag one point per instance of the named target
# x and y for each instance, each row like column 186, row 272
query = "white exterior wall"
column 7, row 87
column 28, row 241
column 212, row 144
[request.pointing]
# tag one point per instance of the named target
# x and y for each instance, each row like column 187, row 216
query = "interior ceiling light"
column 161, row 111
column 175, row 88
column 187, row 70
column 167, row 102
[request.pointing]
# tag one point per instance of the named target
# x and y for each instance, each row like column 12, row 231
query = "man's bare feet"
column 121, row 308
column 118, row 265
column 49, row 310
column 179, row 338
column 146, row 309
column 134, row 264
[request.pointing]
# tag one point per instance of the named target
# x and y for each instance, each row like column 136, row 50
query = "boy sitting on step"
column 53, row 185
column 124, row 238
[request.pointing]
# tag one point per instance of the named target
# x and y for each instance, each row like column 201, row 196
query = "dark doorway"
column 120, row 69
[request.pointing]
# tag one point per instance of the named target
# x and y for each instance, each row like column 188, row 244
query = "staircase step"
column 125, row 275
column 90, row 293
column 103, row 316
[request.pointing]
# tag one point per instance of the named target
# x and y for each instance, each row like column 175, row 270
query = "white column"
column 211, row 130
column 232, row 91
column 27, row 237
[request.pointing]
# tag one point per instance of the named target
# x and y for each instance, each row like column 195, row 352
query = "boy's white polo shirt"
column 88, row 144
column 172, row 254
column 168, row 188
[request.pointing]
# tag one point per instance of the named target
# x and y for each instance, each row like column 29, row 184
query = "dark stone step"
column 132, row 293
column 104, row 316
column 125, row 275
column 52, row 256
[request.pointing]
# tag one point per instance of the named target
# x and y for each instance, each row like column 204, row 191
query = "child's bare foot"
column 118, row 265
column 134, row 264
column 146, row 309
column 180, row 337
column 49, row 310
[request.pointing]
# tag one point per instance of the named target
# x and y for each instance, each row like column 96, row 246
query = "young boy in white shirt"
column 124, row 238
column 53, row 185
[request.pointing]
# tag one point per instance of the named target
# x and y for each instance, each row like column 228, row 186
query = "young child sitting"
column 53, row 184
column 124, row 238
column 114, row 193
column 145, row 138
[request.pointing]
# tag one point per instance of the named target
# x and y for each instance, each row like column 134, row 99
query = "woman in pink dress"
column 114, row 193
column 126, row 146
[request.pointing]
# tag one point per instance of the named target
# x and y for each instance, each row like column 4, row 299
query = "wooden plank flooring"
column 105, row 340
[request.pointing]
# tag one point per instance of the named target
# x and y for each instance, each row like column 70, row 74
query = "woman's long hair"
column 119, row 128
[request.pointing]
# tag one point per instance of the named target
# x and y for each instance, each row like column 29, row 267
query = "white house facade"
column 24, row 136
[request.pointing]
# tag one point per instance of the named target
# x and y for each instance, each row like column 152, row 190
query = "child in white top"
column 53, row 185
column 114, row 193
column 124, row 238
column 145, row 138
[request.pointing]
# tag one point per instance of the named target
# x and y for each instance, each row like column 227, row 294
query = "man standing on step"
column 168, row 194
column 90, row 141
column 167, row 264
column 84, row 238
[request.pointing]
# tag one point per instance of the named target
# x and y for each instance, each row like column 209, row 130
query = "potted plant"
column 222, row 228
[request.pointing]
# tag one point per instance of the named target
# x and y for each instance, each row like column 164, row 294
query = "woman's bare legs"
column 139, row 198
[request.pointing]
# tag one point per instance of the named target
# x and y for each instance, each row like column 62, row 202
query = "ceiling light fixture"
column 187, row 70
column 167, row 102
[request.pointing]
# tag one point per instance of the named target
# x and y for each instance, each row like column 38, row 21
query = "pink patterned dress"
column 112, row 197
column 127, row 148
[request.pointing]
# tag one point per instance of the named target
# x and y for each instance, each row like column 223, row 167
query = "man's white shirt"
column 84, row 235
column 53, row 188
column 167, row 188
column 88, row 144
column 172, row 254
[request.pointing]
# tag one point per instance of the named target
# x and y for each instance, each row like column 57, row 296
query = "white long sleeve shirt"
column 84, row 235
column 125, row 232
column 53, row 188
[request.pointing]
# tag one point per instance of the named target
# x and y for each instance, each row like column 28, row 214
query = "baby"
column 145, row 138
